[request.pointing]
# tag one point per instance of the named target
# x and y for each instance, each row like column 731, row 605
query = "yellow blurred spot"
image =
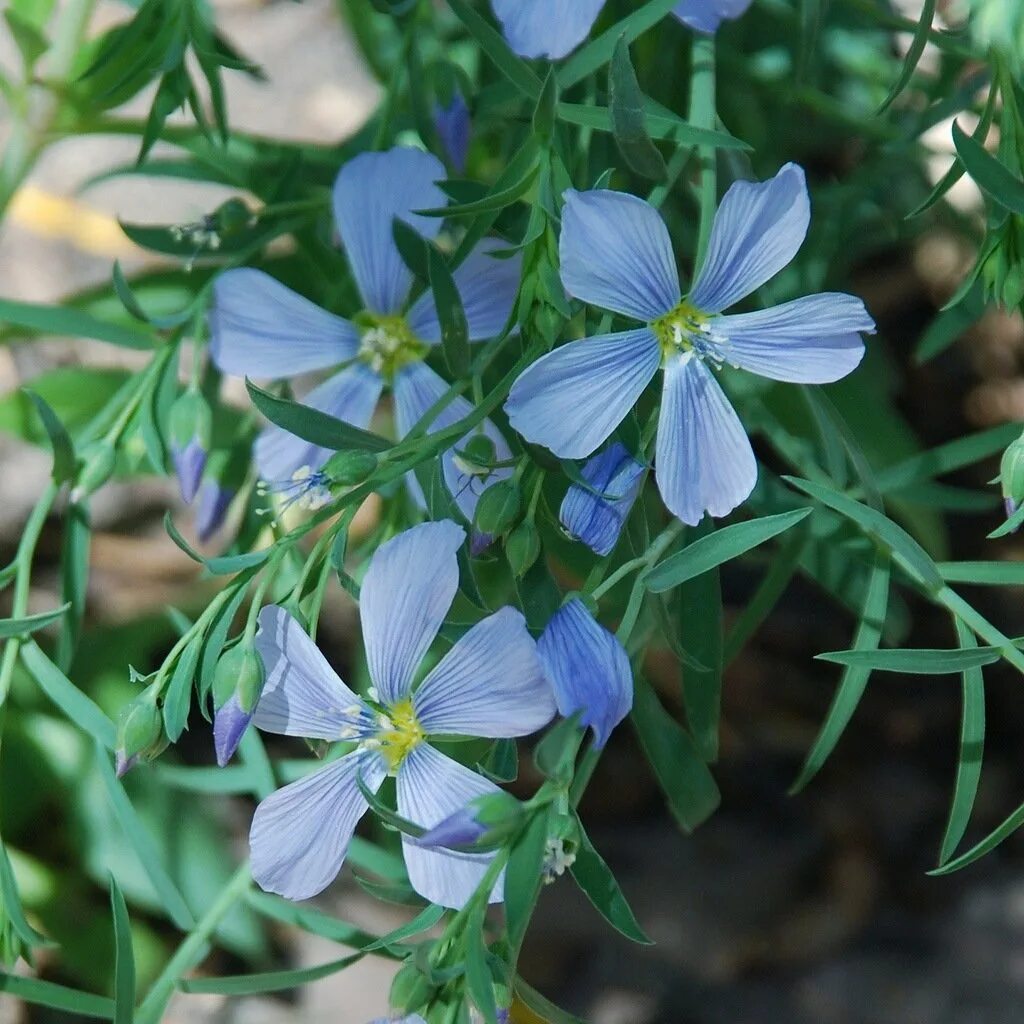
column 59, row 217
column 522, row 1014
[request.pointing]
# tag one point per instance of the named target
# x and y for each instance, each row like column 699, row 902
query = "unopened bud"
column 351, row 467
column 523, row 547
column 190, row 427
column 411, row 987
column 98, row 462
column 232, row 217
column 239, row 672
column 498, row 508
column 140, row 730
column 1011, row 476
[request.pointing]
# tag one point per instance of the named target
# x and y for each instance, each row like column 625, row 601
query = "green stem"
column 193, row 949
column 702, row 115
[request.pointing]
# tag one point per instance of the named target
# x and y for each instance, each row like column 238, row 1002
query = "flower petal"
column 571, row 399
column 406, row 593
column 417, row 388
column 260, row 328
column 704, row 460
column 455, row 129
column 432, row 787
column 487, row 287
column 616, row 253
column 597, row 519
column 300, row 834
column 707, row 15
column 588, row 669
column 490, row 683
column 546, row 28
column 302, row 694
column 757, row 230
column 370, row 191
column 350, row 395
column 813, row 340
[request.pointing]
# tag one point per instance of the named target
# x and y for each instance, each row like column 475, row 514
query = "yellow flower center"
column 388, row 344
column 400, row 734
column 688, row 329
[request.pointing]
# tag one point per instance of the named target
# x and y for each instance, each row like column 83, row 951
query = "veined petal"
column 405, row 595
column 260, row 328
column 704, row 461
column 370, row 191
column 597, row 519
column 350, row 395
column 546, row 28
column 300, row 834
column 571, row 399
column 431, row 787
column 757, row 230
column 490, row 683
column 588, row 669
column 302, row 694
column 813, row 340
column 417, row 387
column 487, row 287
column 616, row 253
column 707, row 15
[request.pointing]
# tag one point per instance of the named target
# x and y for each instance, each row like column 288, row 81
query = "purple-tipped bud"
column 706, row 15
column 596, row 516
column 457, row 830
column 212, row 508
column 588, row 670
column 189, row 463
column 229, row 725
column 454, row 129
column 495, row 815
column 479, row 542
column 122, row 764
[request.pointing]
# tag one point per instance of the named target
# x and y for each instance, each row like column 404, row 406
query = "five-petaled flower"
column 490, row 684
column 616, row 253
column 260, row 328
column 706, row 15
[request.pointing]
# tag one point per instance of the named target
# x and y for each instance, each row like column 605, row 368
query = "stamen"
column 306, row 488
column 388, row 344
column 687, row 329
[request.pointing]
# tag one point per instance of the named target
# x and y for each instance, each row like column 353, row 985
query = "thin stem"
column 702, row 115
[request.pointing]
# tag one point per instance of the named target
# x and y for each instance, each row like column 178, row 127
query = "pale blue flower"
column 260, row 328
column 596, row 516
column 546, row 28
column 706, row 15
column 489, row 684
column 616, row 254
column 588, row 669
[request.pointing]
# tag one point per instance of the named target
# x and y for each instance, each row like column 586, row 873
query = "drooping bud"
column 499, row 507
column 97, row 467
column 350, row 467
column 212, row 508
column 523, row 547
column 588, row 670
column 1011, row 476
column 140, row 731
column 490, row 817
column 237, row 685
column 189, row 431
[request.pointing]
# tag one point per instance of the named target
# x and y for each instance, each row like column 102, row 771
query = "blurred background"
column 811, row 909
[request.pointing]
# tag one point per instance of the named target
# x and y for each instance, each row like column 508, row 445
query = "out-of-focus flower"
column 489, row 684
column 706, row 15
column 454, row 128
column 616, row 254
column 596, row 516
column 588, row 669
column 546, row 28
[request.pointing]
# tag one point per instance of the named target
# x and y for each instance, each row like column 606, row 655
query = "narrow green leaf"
column 80, row 709
column 178, row 695
column 412, row 246
column 493, row 44
column 423, row 921
column 1000, row 574
column 478, row 975
column 915, row 661
column 31, row 43
column 74, row 579
column 971, row 750
column 64, row 462
column 914, row 51
column 71, row 323
column 989, row 174
column 523, row 875
column 490, row 203
column 721, row 546
column 309, row 920
column 30, row 623
column 680, row 770
column 450, row 315
column 658, row 124
column 314, row 426
column 596, row 880
column 143, row 845
column 542, row 1006
column 987, row 845
column 855, row 680
column 629, row 128
column 234, row 779
column 56, row 997
column 124, row 958
column 268, row 981
column 545, row 112
column 12, row 906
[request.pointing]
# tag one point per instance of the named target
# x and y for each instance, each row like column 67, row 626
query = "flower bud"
column 1011, row 476
column 588, row 670
column 232, row 217
column 98, row 462
column 212, row 508
column 237, row 685
column 411, row 987
column 596, row 516
column 454, row 129
column 190, row 427
column 476, row 456
column 490, row 818
column 523, row 547
column 498, row 508
column 140, row 730
column 350, row 467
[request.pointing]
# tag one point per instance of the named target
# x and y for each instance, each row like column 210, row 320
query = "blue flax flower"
column 588, row 669
column 260, row 328
column 597, row 516
column 706, row 15
column 546, row 28
column 616, row 253
column 489, row 684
